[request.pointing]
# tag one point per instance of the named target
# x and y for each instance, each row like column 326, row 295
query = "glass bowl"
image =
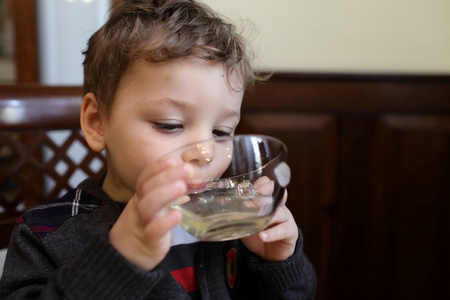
column 238, row 184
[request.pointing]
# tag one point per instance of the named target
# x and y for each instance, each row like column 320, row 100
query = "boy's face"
column 159, row 107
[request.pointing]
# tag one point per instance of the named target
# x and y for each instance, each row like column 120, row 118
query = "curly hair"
column 157, row 31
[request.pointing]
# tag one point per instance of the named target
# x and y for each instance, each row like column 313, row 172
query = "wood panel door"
column 392, row 229
column 411, row 212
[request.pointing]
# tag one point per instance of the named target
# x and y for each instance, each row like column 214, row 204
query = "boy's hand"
column 276, row 242
column 143, row 231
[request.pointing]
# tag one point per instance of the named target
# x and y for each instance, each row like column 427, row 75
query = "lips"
column 197, row 187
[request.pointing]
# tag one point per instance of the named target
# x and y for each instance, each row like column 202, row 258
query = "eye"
column 167, row 127
column 220, row 133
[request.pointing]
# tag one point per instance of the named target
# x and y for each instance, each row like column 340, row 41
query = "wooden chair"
column 42, row 150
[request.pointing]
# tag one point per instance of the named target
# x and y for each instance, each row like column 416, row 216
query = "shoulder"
column 50, row 215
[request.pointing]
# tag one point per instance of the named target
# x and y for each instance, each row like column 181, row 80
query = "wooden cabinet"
column 370, row 159
column 370, row 188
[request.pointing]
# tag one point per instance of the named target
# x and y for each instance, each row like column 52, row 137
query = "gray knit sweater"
column 60, row 250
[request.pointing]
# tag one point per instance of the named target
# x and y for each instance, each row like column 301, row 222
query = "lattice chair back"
column 42, row 155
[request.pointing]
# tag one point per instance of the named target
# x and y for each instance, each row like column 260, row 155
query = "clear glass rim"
column 225, row 139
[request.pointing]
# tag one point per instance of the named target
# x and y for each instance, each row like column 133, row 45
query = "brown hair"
column 160, row 30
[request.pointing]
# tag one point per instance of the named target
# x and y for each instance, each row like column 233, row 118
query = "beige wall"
column 400, row 36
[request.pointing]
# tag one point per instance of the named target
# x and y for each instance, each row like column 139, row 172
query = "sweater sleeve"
column 98, row 272
column 293, row 278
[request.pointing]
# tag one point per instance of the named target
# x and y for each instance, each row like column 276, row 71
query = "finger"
column 160, row 226
column 264, row 187
column 154, row 169
column 284, row 200
column 261, row 180
column 159, row 199
column 154, row 179
column 281, row 215
column 281, row 231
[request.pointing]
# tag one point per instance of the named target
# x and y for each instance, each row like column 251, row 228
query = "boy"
column 158, row 74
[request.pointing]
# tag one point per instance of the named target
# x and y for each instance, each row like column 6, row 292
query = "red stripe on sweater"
column 186, row 277
column 42, row 228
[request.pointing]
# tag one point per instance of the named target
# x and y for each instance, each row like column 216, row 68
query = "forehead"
column 186, row 79
column 232, row 76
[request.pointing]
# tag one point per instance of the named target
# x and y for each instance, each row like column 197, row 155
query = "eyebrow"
column 166, row 101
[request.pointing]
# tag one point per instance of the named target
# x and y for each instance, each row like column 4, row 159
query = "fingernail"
column 263, row 236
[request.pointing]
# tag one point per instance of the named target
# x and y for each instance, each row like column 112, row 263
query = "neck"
column 115, row 191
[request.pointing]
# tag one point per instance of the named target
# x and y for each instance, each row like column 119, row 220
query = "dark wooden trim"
column 397, row 77
column 48, row 113
column 351, row 93
column 28, row 106
column 26, row 46
column 9, row 91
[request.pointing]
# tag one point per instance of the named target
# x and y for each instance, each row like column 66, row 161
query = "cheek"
column 220, row 166
column 129, row 156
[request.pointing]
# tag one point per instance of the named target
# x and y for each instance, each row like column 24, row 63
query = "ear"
column 91, row 123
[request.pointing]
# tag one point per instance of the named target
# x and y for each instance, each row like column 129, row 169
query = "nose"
column 200, row 153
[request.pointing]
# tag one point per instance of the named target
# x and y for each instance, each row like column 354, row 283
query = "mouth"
column 195, row 188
